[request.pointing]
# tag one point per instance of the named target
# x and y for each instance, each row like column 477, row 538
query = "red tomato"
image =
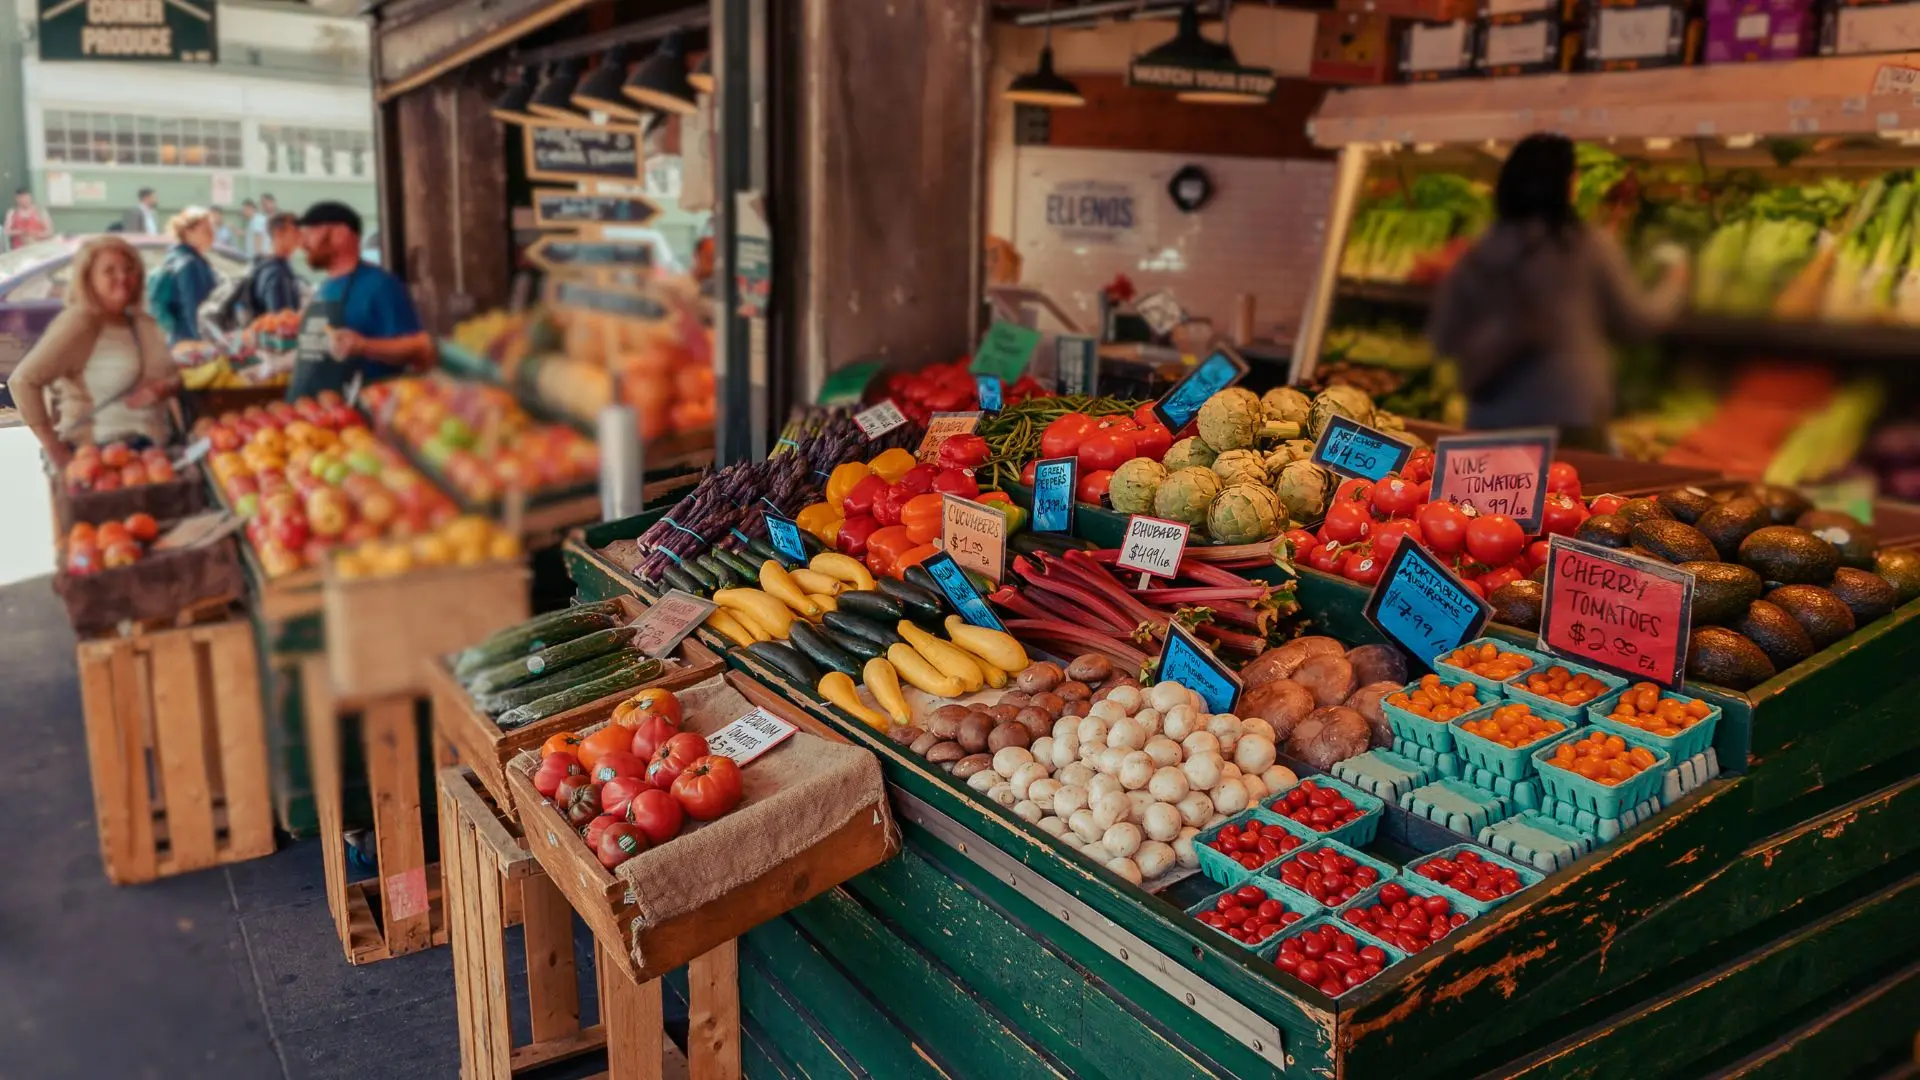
column 1495, row 539
column 673, row 757
column 1419, row 466
column 618, row 763
column 1153, row 440
column 1443, row 527
column 1325, row 558
column 1473, row 587
column 657, row 813
column 1397, row 497
column 647, row 738
column 1563, row 479
column 1536, row 556
column 1064, row 434
column 1362, row 565
column 1506, row 575
column 1561, row 514
column 1093, row 486
column 709, row 787
column 1300, row 542
column 1348, row 520
column 1604, row 504
column 1027, row 471
column 1387, row 535
column 617, row 794
column 619, row 842
column 1145, row 416
column 1355, row 488
column 1106, row 449
column 554, row 768
column 596, row 827
column 569, row 785
column 583, row 803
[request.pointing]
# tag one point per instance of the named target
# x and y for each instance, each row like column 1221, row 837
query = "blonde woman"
column 185, row 279
column 101, row 372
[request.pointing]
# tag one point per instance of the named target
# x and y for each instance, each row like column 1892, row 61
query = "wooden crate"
column 398, row 911
column 380, row 632
column 471, row 737
column 488, row 872
column 601, row 898
column 177, row 744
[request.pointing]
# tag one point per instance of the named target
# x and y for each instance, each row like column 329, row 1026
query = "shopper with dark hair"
column 1529, row 311
column 361, row 322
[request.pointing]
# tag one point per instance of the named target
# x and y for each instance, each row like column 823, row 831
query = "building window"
column 98, row 138
column 319, row 152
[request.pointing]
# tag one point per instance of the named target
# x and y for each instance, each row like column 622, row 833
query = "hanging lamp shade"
column 660, row 82
column 511, row 106
column 1043, row 86
column 1188, row 47
column 554, row 98
column 702, row 77
column 600, row 90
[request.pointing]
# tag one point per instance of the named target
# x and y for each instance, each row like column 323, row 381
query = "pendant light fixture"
column 1187, row 48
column 511, row 106
column 554, row 98
column 600, row 90
column 1042, row 86
column 1227, row 62
column 702, row 77
column 660, row 82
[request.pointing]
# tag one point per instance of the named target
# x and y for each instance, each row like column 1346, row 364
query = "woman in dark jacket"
column 185, row 279
column 1529, row 311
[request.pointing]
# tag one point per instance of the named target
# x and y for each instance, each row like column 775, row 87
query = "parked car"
column 33, row 288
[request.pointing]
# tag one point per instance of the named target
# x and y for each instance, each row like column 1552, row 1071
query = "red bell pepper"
column 887, row 508
column 956, row 482
column 918, row 480
column 861, row 496
column 964, row 452
column 854, row 533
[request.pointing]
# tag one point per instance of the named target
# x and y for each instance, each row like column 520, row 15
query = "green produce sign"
column 159, row 31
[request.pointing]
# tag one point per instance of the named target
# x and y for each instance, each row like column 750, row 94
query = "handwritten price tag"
column 879, row 420
column 1185, row 661
column 960, row 592
column 1152, row 546
column 785, row 536
column 1422, row 607
column 1352, row 449
column 1616, row 611
column 660, row 629
column 940, row 428
column 974, row 534
column 1053, row 482
column 750, row 736
column 1504, row 473
column 1212, row 375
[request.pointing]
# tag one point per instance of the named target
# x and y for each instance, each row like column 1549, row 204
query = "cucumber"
column 816, row 647
column 811, row 544
column 982, row 584
column 881, row 634
column 625, row 677
column 919, row 606
column 555, row 681
column 864, row 648
column 747, row 571
column 552, row 658
column 877, row 606
column 922, row 577
column 549, row 629
column 693, row 569
column 787, row 661
column 723, row 574
column 764, row 550
column 682, row 580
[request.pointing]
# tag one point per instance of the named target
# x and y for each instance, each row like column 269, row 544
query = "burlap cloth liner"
column 793, row 797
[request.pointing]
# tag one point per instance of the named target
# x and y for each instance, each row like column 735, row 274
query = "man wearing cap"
column 361, row 320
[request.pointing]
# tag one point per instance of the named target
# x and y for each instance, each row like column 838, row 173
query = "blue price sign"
column 784, row 535
column 1191, row 664
column 1422, row 607
column 990, row 396
column 965, row 599
column 1212, row 375
column 1352, row 449
column 1053, row 482
column 1076, row 365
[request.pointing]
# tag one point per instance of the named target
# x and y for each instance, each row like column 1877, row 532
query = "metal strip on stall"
column 1247, row 1027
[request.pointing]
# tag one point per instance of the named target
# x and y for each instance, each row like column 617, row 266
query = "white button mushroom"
column 1279, row 778
column 1067, row 725
column 1253, row 725
column 1122, row 838
column 1230, row 797
column 1108, row 710
column 1002, row 793
column 1093, row 730
column 1053, row 825
column 1072, row 839
column 1256, row 788
column 1136, row 769
column 1164, row 751
column 1030, row 810
column 1127, row 697
column 984, row 780
column 1169, row 785
column 1023, row 778
column 1126, row 734
column 1203, row 770
column 1224, row 727
column 1183, row 851
column 1109, row 809
column 1254, row 754
column 1166, row 695
column 1099, row 785
column 1126, row 868
column 1008, row 759
column 1177, row 723
column 1068, row 798
column 1109, row 760
column 1076, row 774
column 1042, row 792
column 1161, row 821
column 1042, row 749
column 1066, row 750
column 1086, row 826
column 1196, row 808
column 1149, row 721
column 1138, row 802
column 1200, row 742
column 1154, row 858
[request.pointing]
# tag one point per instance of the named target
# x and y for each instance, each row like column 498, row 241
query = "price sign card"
column 1152, row 546
column 974, row 534
column 1621, row 612
column 1053, row 483
column 750, row 736
column 1185, row 661
column 1352, row 449
column 944, row 426
column 880, row 419
column 784, row 535
column 960, row 592
column 990, row 392
column 1076, row 364
column 1218, row 371
column 197, row 449
column 660, row 629
column 1005, row 350
column 1503, row 473
column 1422, row 607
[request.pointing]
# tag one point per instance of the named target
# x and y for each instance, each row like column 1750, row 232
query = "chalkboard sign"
column 556, row 253
column 571, row 152
column 1354, row 449
column 624, row 302
column 960, row 592
column 1186, row 661
column 1053, row 494
column 1421, row 606
column 561, row 208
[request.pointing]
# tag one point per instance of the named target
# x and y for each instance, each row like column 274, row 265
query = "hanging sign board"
column 1076, row 365
column 554, row 253
column 564, row 208
column 1504, row 473
column 1201, row 78
column 1053, row 483
column 975, row 535
column 783, row 534
column 154, row 31
column 944, row 426
column 1218, row 371
column 581, row 152
column 1422, row 607
column 1005, row 350
column 991, row 391
column 1185, row 661
column 1354, row 449
column 1612, row 610
column 628, row 303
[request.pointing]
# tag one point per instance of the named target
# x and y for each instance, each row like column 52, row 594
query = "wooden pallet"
column 400, row 910
column 488, row 873
column 176, row 738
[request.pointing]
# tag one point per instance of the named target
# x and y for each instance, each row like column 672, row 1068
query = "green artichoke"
column 1245, row 514
column 1185, row 496
column 1286, row 454
column 1189, row 453
column 1304, row 488
column 1340, row 400
column 1286, row 404
column 1240, row 467
column 1134, row 484
column 1232, row 420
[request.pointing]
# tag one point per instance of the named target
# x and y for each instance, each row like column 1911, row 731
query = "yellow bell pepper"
column 822, row 520
column 841, row 481
column 891, row 465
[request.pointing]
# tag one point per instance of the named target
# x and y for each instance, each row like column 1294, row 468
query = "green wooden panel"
column 1883, row 1015
column 798, row 1047
column 844, row 1011
column 1744, row 997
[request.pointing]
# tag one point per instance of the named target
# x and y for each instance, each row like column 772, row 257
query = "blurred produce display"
column 1413, row 233
column 479, row 439
column 948, row 387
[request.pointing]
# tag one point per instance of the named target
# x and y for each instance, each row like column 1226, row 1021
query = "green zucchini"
column 920, row 607
column 811, row 544
column 682, row 580
column 536, row 633
column 877, row 606
column 764, row 550
column 748, row 572
column 555, row 681
column 723, row 575
column 786, row 660
column 864, row 648
column 922, row 577
column 553, row 658
column 816, row 647
column 694, row 570
column 881, row 634
column 625, row 677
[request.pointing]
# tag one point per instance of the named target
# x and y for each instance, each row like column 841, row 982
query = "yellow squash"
column 771, row 615
column 838, row 688
column 824, row 602
column 843, row 568
column 995, row 647
column 775, row 583
column 949, row 658
column 813, row 581
column 914, row 668
column 731, row 628
column 884, row 684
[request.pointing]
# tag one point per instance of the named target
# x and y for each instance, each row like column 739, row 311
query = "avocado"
column 1518, row 603
column 1720, row 656
column 1607, row 530
column 1855, row 541
column 1730, row 522
column 1789, row 556
column 1901, row 568
column 1778, row 634
column 1539, row 574
column 1686, row 504
column 1826, row 618
column 1721, row 591
column 1673, row 541
column 1868, row 596
column 1783, row 504
column 1637, row 550
column 1635, row 511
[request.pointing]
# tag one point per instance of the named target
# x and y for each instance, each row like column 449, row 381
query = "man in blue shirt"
column 361, row 320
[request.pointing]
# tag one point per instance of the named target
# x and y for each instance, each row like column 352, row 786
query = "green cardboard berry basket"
column 1289, row 899
column 1599, row 799
column 1529, row 877
column 1512, row 763
column 1693, row 740
column 1496, row 687
column 1358, row 832
column 1271, row 950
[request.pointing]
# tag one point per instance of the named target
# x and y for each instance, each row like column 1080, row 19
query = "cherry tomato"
column 1348, row 520
column 1397, row 497
column 1064, row 434
column 1604, row 504
column 709, row 787
column 1563, row 479
column 1419, row 466
column 1495, row 539
column 1093, row 486
column 1443, row 527
column 1493, row 579
column 1387, row 535
column 1027, row 471
column 1153, row 440
column 1325, row 558
column 1108, row 448
column 1362, row 565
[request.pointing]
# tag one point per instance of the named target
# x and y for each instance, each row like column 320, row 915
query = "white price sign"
column 1152, row 546
column 750, row 736
column 660, row 629
column 880, row 419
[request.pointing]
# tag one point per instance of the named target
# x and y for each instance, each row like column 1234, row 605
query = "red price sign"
column 1611, row 610
column 1503, row 473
